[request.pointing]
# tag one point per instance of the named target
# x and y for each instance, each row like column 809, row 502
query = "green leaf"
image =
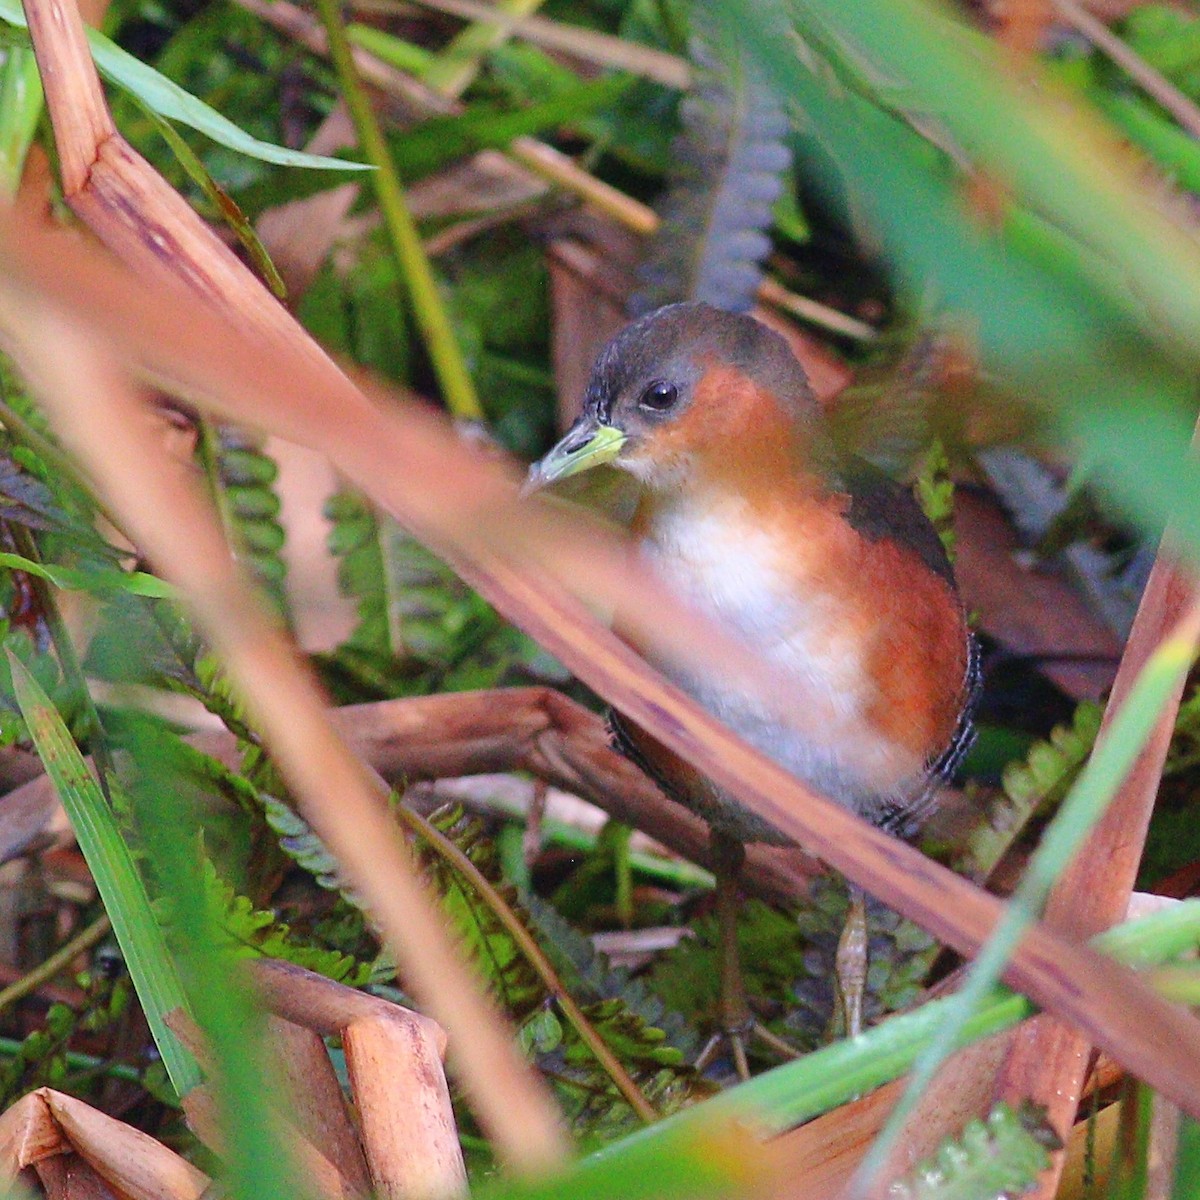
column 704, row 1159
column 75, row 579
column 298, row 841
column 1040, row 779
column 590, row 1101
column 168, row 816
column 1051, row 766
column 934, row 488
column 151, row 966
column 251, row 506
column 440, row 140
column 1187, row 1167
column 20, row 110
column 394, row 51
column 222, row 202
column 169, row 100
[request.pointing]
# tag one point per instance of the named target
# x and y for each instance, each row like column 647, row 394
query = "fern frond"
column 1041, row 778
column 592, row 977
column 298, row 841
column 184, row 664
column 247, row 476
column 1000, row 1158
column 727, row 171
column 419, row 629
column 591, row 1099
column 250, row 932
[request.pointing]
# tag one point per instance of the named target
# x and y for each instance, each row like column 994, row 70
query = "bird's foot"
column 739, row 1038
column 737, row 1026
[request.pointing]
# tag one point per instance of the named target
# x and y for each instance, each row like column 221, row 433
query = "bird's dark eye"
column 659, row 396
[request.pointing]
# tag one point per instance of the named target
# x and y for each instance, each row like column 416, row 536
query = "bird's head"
column 686, row 392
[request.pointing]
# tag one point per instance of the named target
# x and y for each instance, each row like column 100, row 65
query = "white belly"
column 726, row 569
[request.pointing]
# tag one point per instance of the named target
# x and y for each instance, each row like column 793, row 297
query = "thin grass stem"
column 431, row 315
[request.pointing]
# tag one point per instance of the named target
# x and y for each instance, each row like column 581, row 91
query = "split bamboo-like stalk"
column 69, row 1177
column 322, row 1178
column 316, row 1105
column 396, row 1078
column 1048, row 1059
column 409, row 1142
column 47, row 1124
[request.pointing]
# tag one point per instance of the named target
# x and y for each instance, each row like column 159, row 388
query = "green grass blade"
column 169, row 100
column 452, row 70
column 432, row 317
column 394, row 51
column 703, row 1158
column 20, row 110
column 138, row 933
column 923, row 62
column 1187, row 1164
column 166, row 798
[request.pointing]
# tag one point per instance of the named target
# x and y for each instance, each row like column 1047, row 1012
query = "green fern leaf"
column 1042, row 778
column 247, row 476
column 1051, row 766
column 589, row 1097
column 255, row 933
column 298, row 841
column 999, row 1159
column 43, row 1057
column 419, row 629
column 591, row 977
column 184, row 664
column 358, row 539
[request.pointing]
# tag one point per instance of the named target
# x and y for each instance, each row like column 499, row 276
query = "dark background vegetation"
column 976, row 327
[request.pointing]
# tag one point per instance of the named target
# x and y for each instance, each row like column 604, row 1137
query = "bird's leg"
column 851, row 963
column 737, row 1023
column 728, row 856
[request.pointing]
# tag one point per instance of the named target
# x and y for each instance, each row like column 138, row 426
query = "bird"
column 822, row 566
